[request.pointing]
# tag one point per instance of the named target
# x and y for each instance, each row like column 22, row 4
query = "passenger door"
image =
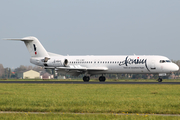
column 153, row 67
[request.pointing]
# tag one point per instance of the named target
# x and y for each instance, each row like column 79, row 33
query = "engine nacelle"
column 50, row 62
column 45, row 60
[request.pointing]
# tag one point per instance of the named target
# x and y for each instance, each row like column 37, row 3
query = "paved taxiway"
column 81, row 82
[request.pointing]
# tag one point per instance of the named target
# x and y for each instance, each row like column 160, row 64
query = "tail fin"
column 34, row 47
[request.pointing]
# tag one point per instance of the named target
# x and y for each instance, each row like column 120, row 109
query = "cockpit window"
column 165, row 61
column 162, row 61
column 168, row 61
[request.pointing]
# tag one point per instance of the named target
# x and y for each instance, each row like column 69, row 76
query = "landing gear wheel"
column 86, row 78
column 102, row 79
column 160, row 80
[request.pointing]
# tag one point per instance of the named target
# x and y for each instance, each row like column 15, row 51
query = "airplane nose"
column 175, row 67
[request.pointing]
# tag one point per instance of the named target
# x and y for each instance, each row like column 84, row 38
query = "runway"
column 81, row 82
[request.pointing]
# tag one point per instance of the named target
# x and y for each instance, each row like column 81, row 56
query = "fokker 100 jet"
column 93, row 65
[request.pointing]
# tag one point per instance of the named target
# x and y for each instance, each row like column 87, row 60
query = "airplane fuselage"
column 114, row 64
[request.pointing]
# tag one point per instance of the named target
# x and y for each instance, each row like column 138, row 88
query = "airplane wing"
column 82, row 69
column 77, row 70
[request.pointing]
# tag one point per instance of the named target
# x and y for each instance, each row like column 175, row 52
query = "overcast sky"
column 90, row 27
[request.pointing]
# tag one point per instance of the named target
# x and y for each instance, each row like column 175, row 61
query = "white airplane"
column 92, row 65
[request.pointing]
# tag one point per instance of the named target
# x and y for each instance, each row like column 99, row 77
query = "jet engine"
column 65, row 62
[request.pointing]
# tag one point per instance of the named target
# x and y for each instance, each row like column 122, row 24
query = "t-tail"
column 34, row 47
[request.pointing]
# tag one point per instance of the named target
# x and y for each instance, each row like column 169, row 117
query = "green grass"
column 90, row 98
column 26, row 116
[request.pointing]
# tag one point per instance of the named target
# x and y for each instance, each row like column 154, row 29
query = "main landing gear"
column 159, row 79
column 86, row 78
column 101, row 78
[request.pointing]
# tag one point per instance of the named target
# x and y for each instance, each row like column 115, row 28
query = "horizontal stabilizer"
column 33, row 45
column 18, row 39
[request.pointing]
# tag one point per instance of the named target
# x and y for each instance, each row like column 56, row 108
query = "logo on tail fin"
column 35, row 49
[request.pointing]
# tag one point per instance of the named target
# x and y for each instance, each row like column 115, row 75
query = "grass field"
column 26, row 116
column 90, row 98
